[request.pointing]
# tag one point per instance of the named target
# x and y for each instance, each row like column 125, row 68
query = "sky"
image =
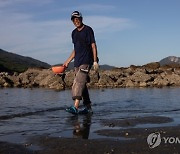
column 127, row 32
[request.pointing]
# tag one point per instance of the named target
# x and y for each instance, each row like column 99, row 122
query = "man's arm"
column 94, row 50
column 71, row 57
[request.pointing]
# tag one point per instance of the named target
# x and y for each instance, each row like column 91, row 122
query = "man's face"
column 77, row 22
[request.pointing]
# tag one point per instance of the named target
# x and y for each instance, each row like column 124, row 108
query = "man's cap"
column 76, row 14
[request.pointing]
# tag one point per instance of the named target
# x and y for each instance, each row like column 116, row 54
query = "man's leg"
column 79, row 84
column 86, row 98
column 76, row 103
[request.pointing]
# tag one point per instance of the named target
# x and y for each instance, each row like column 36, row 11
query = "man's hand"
column 66, row 64
column 71, row 57
column 95, row 66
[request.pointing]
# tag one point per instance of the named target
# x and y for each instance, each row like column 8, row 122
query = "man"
column 84, row 55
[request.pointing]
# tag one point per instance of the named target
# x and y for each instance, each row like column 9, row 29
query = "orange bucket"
column 58, row 69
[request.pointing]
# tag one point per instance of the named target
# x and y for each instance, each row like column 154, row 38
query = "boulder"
column 153, row 65
column 93, row 79
column 177, row 71
column 173, row 79
column 105, row 80
column 140, row 77
column 143, row 84
column 5, row 80
column 69, row 78
column 129, row 83
column 161, row 82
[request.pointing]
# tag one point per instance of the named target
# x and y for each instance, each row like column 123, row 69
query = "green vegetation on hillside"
column 10, row 62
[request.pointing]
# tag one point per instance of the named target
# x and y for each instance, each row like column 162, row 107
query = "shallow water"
column 26, row 113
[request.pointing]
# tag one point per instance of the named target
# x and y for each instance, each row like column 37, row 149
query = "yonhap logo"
column 154, row 140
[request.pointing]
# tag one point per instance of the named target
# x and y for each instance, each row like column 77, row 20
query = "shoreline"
column 55, row 145
column 125, row 138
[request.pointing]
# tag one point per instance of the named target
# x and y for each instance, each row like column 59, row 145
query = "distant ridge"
column 106, row 67
column 10, row 62
column 170, row 60
column 101, row 67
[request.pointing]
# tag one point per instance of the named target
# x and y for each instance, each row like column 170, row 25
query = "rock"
column 129, row 71
column 43, row 78
column 133, row 76
column 143, row 84
column 120, row 82
column 140, row 77
column 177, row 71
column 153, row 71
column 28, row 78
column 50, row 80
column 169, row 71
column 159, row 81
column 129, row 83
column 6, row 84
column 106, row 79
column 2, row 81
column 93, row 78
column 57, row 85
column 173, row 79
column 5, row 81
column 69, row 78
column 153, row 65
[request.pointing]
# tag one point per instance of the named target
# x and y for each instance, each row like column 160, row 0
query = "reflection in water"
column 82, row 129
column 25, row 113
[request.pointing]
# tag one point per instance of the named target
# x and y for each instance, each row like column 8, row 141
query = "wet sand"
column 125, row 138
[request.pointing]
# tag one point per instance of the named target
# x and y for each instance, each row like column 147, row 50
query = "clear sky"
column 126, row 31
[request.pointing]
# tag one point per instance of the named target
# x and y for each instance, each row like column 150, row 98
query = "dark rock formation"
column 150, row 75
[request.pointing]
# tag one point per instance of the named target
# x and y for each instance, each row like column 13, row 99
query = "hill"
column 10, row 62
column 171, row 60
column 106, row 67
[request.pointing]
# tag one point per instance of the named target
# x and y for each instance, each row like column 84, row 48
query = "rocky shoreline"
column 149, row 75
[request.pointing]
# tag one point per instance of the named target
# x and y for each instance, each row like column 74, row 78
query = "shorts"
column 79, row 88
